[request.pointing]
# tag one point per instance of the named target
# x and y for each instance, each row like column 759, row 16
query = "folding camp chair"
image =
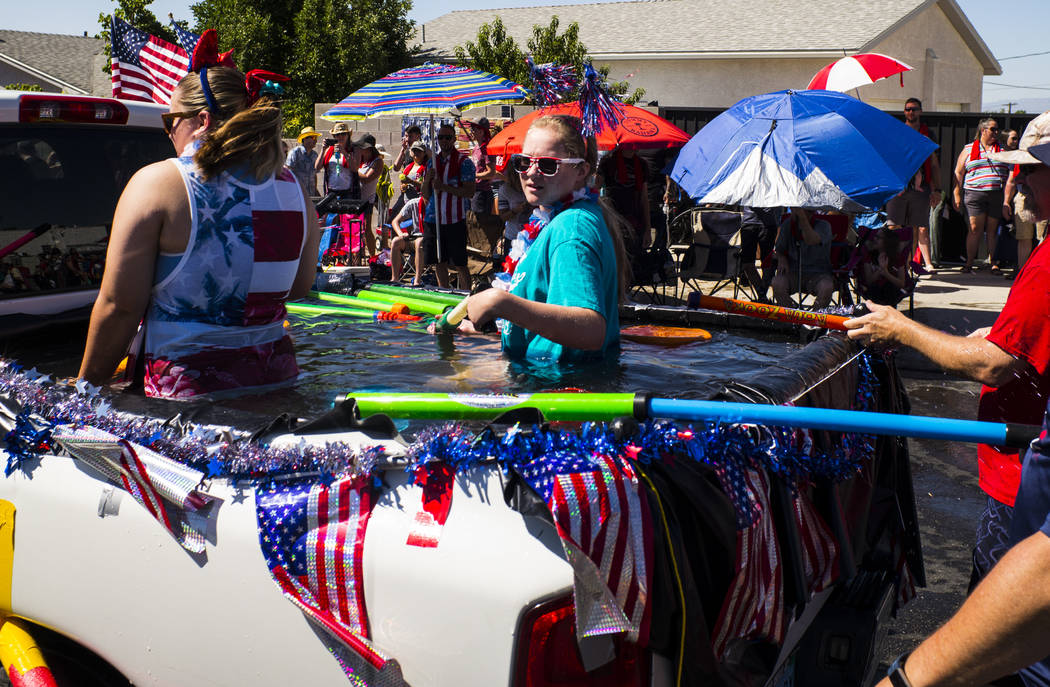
column 411, row 224
column 841, row 254
column 709, row 250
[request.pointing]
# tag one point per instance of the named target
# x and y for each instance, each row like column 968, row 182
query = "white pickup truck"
column 112, row 598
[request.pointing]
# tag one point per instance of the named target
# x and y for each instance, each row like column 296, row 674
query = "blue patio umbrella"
column 815, row 149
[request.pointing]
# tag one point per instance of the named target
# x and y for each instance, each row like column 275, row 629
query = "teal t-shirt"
column 571, row 263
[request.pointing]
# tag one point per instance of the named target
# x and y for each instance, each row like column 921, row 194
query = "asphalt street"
column 949, row 502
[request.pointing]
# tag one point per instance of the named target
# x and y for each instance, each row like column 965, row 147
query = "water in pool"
column 337, row 356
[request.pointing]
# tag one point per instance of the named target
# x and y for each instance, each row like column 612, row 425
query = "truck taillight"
column 546, row 653
column 44, row 108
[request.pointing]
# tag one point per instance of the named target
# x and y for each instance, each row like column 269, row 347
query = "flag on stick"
column 145, row 67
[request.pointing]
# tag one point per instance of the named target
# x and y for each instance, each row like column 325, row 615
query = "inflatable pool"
column 166, row 544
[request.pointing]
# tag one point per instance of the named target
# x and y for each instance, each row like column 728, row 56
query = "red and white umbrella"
column 857, row 70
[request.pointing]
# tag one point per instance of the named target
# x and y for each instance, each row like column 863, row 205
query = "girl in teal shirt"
column 559, row 298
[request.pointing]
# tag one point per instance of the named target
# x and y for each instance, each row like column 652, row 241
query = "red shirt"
column 1022, row 330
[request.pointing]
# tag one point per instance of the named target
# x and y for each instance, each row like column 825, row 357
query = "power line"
column 1011, row 85
column 1017, row 57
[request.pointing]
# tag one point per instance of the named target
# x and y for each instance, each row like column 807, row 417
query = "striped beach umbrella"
column 428, row 89
column 857, row 70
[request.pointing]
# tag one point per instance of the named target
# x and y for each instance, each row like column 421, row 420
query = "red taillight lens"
column 546, row 654
column 44, row 108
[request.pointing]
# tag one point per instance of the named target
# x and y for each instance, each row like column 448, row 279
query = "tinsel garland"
column 551, row 82
column 213, row 450
column 599, row 108
column 538, row 454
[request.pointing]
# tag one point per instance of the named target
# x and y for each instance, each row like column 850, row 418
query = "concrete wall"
column 712, row 83
column 950, row 82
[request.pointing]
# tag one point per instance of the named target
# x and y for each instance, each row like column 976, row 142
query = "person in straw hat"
column 302, row 159
column 340, row 161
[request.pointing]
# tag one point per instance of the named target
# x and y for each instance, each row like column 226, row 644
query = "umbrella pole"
column 437, row 203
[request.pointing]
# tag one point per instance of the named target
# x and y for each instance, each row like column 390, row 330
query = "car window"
column 58, row 189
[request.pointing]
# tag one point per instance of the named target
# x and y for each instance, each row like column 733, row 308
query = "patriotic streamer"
column 754, row 606
column 165, row 488
column 599, row 108
column 551, row 82
column 604, row 527
column 312, row 536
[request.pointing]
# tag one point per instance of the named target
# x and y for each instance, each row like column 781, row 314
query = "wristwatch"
column 896, row 672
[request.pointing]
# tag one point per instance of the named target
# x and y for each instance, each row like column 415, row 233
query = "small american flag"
column 602, row 520
column 754, row 606
column 144, row 66
column 187, row 39
column 313, row 537
column 820, row 551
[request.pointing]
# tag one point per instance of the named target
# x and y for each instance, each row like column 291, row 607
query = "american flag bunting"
column 754, row 606
column 312, row 537
column 603, row 523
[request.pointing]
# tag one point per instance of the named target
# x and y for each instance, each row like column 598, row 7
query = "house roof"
column 710, row 28
column 68, row 62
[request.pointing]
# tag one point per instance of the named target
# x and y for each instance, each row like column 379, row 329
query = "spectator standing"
column 979, row 182
column 302, row 160
column 658, row 190
column 404, row 156
column 803, row 245
column 1003, row 626
column 1012, row 360
column 369, row 169
column 447, row 185
column 514, row 210
column 338, row 160
column 410, row 179
column 1013, row 139
column 912, row 206
column 622, row 177
column 1028, row 230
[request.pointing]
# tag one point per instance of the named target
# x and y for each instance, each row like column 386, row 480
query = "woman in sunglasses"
column 558, row 298
column 204, row 250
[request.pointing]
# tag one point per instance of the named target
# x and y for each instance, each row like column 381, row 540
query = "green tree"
column 328, row 48
column 494, row 50
column 23, row 87
column 138, row 14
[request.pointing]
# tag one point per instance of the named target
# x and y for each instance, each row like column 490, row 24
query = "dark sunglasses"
column 445, row 137
column 548, row 166
column 169, row 119
column 913, row 109
column 993, row 129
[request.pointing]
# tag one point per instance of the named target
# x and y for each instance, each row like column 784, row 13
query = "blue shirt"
column 1031, row 515
column 571, row 263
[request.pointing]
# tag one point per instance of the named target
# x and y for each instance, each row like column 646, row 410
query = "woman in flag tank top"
column 204, row 250
column 558, row 296
column 979, row 182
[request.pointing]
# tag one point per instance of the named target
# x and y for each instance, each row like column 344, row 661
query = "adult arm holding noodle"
column 973, row 357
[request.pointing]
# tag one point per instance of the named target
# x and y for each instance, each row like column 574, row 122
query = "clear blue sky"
column 1015, row 28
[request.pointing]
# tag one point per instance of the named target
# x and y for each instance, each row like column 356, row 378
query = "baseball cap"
column 1034, row 147
column 418, row 145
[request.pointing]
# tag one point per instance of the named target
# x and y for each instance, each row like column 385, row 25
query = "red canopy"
column 638, row 129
